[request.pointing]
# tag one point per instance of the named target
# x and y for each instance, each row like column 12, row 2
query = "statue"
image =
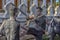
column 10, row 27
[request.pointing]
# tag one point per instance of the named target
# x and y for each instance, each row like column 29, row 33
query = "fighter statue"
column 10, row 27
column 55, row 27
column 40, row 21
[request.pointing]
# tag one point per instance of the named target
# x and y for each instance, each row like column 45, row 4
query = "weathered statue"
column 55, row 26
column 40, row 21
column 10, row 27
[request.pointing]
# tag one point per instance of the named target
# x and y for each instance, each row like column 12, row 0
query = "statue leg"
column 52, row 35
column 36, row 33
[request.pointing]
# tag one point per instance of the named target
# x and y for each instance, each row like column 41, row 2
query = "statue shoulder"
column 43, row 16
column 3, row 24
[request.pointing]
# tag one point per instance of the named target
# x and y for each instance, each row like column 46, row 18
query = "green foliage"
column 57, row 3
column 46, row 37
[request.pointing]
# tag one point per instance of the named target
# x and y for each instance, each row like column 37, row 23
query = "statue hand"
column 31, row 17
column 46, row 33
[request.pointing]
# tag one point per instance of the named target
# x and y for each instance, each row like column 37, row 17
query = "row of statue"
column 19, row 25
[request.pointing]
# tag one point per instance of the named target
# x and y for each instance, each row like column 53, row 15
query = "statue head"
column 12, row 10
column 39, row 10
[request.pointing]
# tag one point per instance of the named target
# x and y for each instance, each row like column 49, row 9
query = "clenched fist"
column 31, row 17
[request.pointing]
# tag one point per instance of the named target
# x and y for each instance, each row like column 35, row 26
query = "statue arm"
column 2, row 26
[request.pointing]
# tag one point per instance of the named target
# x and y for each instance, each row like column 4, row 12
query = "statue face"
column 11, row 9
column 38, row 12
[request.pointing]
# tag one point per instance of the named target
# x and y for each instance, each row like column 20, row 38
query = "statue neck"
column 12, row 18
